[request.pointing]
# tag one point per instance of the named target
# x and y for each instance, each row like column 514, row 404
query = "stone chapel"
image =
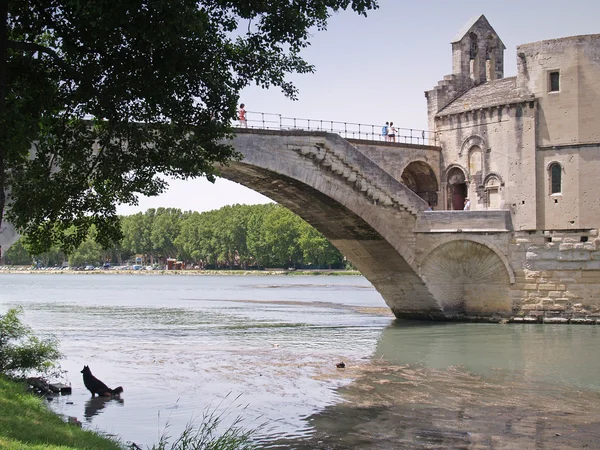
column 528, row 143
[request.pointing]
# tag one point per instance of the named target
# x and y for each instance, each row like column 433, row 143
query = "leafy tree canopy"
column 78, row 79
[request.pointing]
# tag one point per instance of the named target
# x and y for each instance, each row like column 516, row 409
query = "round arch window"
column 555, row 170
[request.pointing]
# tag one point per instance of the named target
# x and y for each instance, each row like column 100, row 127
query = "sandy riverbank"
column 187, row 272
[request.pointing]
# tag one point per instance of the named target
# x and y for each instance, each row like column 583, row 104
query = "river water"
column 265, row 348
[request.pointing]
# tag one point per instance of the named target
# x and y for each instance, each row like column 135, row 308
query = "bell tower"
column 478, row 52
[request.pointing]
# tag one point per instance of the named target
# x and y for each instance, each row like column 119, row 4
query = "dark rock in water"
column 60, row 388
column 340, row 365
column 39, row 386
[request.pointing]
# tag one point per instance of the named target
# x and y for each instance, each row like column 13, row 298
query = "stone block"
column 570, row 265
column 545, row 265
column 595, row 256
column 592, row 265
column 530, row 286
column 555, row 294
column 564, row 247
column 547, row 287
column 530, row 307
column 556, row 308
column 560, row 320
column 562, row 301
column 580, row 255
column 582, row 321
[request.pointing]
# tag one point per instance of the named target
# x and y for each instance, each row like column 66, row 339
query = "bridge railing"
column 348, row 130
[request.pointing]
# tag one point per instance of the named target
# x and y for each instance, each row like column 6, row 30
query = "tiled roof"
column 491, row 93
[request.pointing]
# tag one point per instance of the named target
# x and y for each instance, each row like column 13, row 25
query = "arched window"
column 555, row 178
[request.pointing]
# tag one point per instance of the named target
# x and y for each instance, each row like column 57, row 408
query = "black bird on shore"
column 340, row 365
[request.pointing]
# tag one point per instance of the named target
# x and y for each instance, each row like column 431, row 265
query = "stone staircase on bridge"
column 346, row 161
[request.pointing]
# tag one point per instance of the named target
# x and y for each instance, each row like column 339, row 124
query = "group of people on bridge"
column 389, row 132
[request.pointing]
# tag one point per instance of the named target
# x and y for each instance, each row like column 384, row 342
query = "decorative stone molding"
column 472, row 141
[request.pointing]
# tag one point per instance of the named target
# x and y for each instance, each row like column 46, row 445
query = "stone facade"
column 529, row 145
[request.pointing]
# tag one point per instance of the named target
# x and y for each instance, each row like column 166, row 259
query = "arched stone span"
column 420, row 178
column 468, row 278
column 367, row 214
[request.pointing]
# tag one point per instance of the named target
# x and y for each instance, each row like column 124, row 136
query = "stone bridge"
column 371, row 200
column 426, row 264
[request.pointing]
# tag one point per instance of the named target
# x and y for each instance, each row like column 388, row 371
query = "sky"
column 376, row 69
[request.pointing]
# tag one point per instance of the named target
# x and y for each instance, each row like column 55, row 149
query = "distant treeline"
column 239, row 236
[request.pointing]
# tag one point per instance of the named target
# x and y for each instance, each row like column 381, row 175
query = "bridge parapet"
column 495, row 221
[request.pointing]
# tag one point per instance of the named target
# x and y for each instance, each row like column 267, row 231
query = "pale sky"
column 375, row 69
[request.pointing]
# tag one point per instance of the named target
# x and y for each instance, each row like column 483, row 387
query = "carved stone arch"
column 493, row 191
column 420, row 178
column 448, row 173
column 471, row 141
column 491, row 176
column 456, row 180
column 468, row 278
column 475, row 238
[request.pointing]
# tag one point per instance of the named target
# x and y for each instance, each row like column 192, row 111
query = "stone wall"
column 569, row 115
column 503, row 138
column 578, row 204
column 557, row 275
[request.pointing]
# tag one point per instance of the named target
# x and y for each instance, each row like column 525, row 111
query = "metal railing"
column 348, row 130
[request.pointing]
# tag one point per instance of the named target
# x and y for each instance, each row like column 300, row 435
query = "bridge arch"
column 468, row 278
column 420, row 178
column 361, row 209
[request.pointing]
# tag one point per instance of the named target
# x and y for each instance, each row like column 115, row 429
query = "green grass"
column 27, row 424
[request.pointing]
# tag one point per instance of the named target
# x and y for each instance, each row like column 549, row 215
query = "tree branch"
column 33, row 47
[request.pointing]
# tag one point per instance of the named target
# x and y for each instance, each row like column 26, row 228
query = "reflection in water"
column 95, row 404
column 468, row 386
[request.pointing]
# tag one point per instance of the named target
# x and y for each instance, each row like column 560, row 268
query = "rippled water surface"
column 265, row 348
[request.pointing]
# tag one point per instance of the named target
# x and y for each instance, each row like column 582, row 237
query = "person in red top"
column 242, row 116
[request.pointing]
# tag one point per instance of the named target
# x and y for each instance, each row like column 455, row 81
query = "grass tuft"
column 211, row 432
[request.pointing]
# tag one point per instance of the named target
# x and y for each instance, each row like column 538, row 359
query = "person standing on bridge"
column 391, row 133
column 384, row 131
column 467, row 205
column 242, row 116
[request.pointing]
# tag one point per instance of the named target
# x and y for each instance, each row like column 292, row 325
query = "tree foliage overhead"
column 111, row 94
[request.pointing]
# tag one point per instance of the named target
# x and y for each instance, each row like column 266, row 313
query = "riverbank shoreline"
column 185, row 272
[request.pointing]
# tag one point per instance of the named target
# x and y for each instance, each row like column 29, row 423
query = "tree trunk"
column 3, row 94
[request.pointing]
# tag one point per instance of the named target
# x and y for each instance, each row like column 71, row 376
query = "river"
column 265, row 348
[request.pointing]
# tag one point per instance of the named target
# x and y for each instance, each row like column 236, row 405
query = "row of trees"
column 233, row 236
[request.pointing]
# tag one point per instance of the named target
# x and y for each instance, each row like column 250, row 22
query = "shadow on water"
column 471, row 386
column 94, row 406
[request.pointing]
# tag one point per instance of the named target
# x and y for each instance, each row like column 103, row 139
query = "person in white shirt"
column 467, row 204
